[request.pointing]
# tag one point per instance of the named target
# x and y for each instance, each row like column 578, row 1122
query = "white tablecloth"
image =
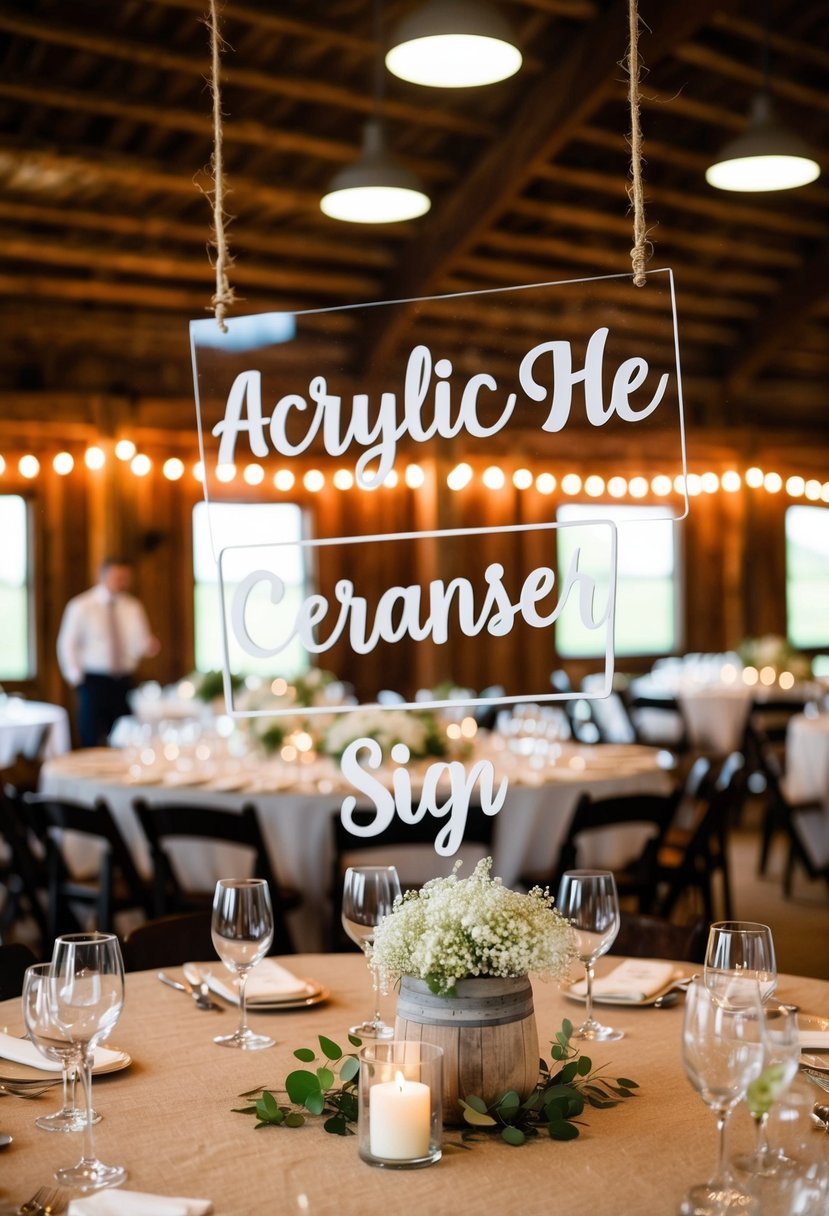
column 298, row 825
column 21, row 726
column 807, row 780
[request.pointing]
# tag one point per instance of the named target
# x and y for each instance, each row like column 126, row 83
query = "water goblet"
column 242, row 932
column 86, row 993
column 740, row 956
column 722, row 1050
column 589, row 900
column 369, row 893
column 782, row 1050
column 49, row 1039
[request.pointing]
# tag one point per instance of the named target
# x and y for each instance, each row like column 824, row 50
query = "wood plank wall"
column 733, row 544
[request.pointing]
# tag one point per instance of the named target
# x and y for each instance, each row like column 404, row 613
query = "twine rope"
column 639, row 252
column 224, row 296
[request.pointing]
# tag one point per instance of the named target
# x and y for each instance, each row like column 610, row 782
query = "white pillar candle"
column 400, row 1114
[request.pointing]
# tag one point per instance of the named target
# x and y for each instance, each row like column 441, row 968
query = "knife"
column 202, row 1001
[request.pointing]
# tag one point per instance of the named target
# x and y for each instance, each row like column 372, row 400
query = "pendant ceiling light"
column 453, row 44
column 376, row 189
column 767, row 156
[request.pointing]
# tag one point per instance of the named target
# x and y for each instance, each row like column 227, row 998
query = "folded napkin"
column 137, row 1203
column 23, row 1051
column 633, row 980
column 818, row 1040
column 267, row 982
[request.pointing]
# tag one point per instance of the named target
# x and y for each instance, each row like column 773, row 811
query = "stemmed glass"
column 242, row 932
column 782, row 1050
column 86, row 995
column 369, row 893
column 589, row 900
column 740, row 958
column 54, row 1045
column 722, row 1049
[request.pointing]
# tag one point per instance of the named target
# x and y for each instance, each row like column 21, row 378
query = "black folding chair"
column 169, row 941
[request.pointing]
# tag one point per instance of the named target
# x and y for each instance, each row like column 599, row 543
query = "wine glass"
column 49, row 1039
column 589, row 900
column 722, row 1049
column 86, row 995
column 369, row 893
column 782, row 1051
column 739, row 957
column 242, row 932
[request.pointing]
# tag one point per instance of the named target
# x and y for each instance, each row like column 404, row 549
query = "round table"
column 22, row 724
column 297, row 816
column 168, row 1118
column 807, row 780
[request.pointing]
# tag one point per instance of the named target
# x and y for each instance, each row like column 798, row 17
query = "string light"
column 795, row 487
column 545, row 483
column 522, row 479
column 773, row 483
column 710, row 483
column 638, row 487
column 225, row 472
column 459, row 477
column 94, row 458
column 679, row 483
column 594, row 486
column 141, row 465
column 694, row 483
column 63, row 463
column 824, row 492
column 812, row 489
column 173, row 469
column 731, row 481
column 661, row 485
column 617, row 487
column 571, row 483
column 283, row 479
column 2, row 465
column 754, row 477
column 198, row 470
column 253, row 474
column 391, row 479
column 125, row 449
column 343, row 479
column 313, row 481
column 414, row 476
column 28, row 467
column 493, row 478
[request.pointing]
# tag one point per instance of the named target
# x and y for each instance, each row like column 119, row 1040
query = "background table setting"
column 169, row 1119
column 31, row 728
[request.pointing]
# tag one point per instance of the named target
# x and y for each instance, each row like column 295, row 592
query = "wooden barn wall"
column 732, row 544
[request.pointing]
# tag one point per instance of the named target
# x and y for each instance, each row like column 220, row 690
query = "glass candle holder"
column 400, row 1124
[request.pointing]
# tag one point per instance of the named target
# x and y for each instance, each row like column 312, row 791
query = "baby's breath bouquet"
column 455, row 928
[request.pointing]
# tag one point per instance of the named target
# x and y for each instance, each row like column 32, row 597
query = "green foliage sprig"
column 561, row 1093
column 560, row 1096
column 330, row 1090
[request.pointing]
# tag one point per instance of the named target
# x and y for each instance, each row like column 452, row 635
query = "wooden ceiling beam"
column 548, row 118
column 775, row 328
column 153, row 229
column 755, row 31
column 315, row 91
column 178, row 118
column 727, row 66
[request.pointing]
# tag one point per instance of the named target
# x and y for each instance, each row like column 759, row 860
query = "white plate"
column 22, row 1072
column 315, row 994
column 609, row 1000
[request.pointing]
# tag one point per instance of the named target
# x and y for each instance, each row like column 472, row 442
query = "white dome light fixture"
column 767, row 156
column 454, row 44
column 376, row 189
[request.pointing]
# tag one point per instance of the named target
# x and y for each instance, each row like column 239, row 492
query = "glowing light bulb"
column 63, row 463
column 493, row 478
column 459, row 477
column 786, row 680
column 253, row 474
column 617, row 487
column 824, row 492
column 680, row 484
column 125, row 449
column 173, row 468
column 283, row 479
column 710, row 483
column 694, row 484
column 28, row 467
column 225, row 472
column 2, row 465
column 343, row 479
column 795, row 487
column 754, row 477
column 594, row 486
column 750, row 676
column 313, row 481
column 638, row 487
column 812, row 489
column 571, row 483
column 545, row 483
column 773, row 483
column 414, row 476
column 767, row 676
column 731, row 481
column 141, row 465
column 94, row 458
column 661, row 485
column 391, row 479
column 522, row 479
column 198, row 470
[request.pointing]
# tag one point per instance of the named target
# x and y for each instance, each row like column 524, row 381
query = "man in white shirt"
column 103, row 636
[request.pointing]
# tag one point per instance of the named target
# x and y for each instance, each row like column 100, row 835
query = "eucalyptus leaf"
column 562, row 1130
column 330, row 1049
column 349, row 1068
column 509, row 1099
column 336, row 1126
column 473, row 1116
column 583, row 1066
column 294, row 1119
column 243, row 1110
column 627, row 1084
column 513, row 1135
column 300, row 1084
column 270, row 1104
column 476, row 1103
column 567, row 1027
column 325, row 1077
column 305, row 1054
column 315, row 1102
column 568, row 1072
column 354, row 1041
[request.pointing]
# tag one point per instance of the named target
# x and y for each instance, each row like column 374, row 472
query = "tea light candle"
column 400, row 1119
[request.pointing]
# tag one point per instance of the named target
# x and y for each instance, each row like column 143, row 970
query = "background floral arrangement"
column 771, row 650
column 313, row 688
column 455, row 928
column 417, row 728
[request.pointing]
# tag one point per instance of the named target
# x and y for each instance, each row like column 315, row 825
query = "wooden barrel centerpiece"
column 487, row 1032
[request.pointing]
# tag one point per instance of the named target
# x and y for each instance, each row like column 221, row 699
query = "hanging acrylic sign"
column 539, row 375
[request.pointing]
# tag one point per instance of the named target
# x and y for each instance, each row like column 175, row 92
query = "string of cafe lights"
column 459, row 478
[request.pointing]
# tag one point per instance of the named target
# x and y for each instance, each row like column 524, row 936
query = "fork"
column 36, row 1205
column 27, row 1089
